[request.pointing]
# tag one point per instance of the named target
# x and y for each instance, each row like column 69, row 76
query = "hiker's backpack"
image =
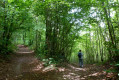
column 79, row 55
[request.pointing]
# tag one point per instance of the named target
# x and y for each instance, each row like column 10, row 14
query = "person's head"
column 79, row 50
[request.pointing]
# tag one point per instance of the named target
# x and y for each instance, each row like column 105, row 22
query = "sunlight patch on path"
column 77, row 69
column 38, row 67
column 26, row 66
column 25, row 52
column 72, row 76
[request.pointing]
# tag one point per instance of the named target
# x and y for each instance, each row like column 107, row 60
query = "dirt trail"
column 25, row 66
column 24, row 61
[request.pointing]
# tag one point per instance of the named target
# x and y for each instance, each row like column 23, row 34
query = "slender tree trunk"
column 111, row 31
column 36, row 40
column 110, row 27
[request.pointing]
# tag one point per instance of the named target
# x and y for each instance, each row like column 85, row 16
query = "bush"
column 49, row 61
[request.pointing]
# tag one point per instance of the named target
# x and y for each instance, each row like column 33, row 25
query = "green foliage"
column 48, row 61
column 58, row 29
column 111, row 70
column 13, row 17
column 115, row 68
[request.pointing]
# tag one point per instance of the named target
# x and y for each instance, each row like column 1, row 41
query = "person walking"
column 80, row 56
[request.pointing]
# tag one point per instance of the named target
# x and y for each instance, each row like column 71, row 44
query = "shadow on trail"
column 25, row 66
column 89, row 72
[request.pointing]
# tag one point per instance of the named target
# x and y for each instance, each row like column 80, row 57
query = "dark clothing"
column 80, row 56
column 81, row 62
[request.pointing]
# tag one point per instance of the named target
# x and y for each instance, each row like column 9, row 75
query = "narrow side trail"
column 25, row 66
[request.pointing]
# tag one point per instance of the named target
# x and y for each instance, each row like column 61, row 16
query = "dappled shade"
column 52, row 39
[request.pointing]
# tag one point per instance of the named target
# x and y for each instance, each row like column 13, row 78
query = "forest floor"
column 25, row 66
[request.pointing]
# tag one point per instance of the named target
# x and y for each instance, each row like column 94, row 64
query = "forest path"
column 25, row 66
